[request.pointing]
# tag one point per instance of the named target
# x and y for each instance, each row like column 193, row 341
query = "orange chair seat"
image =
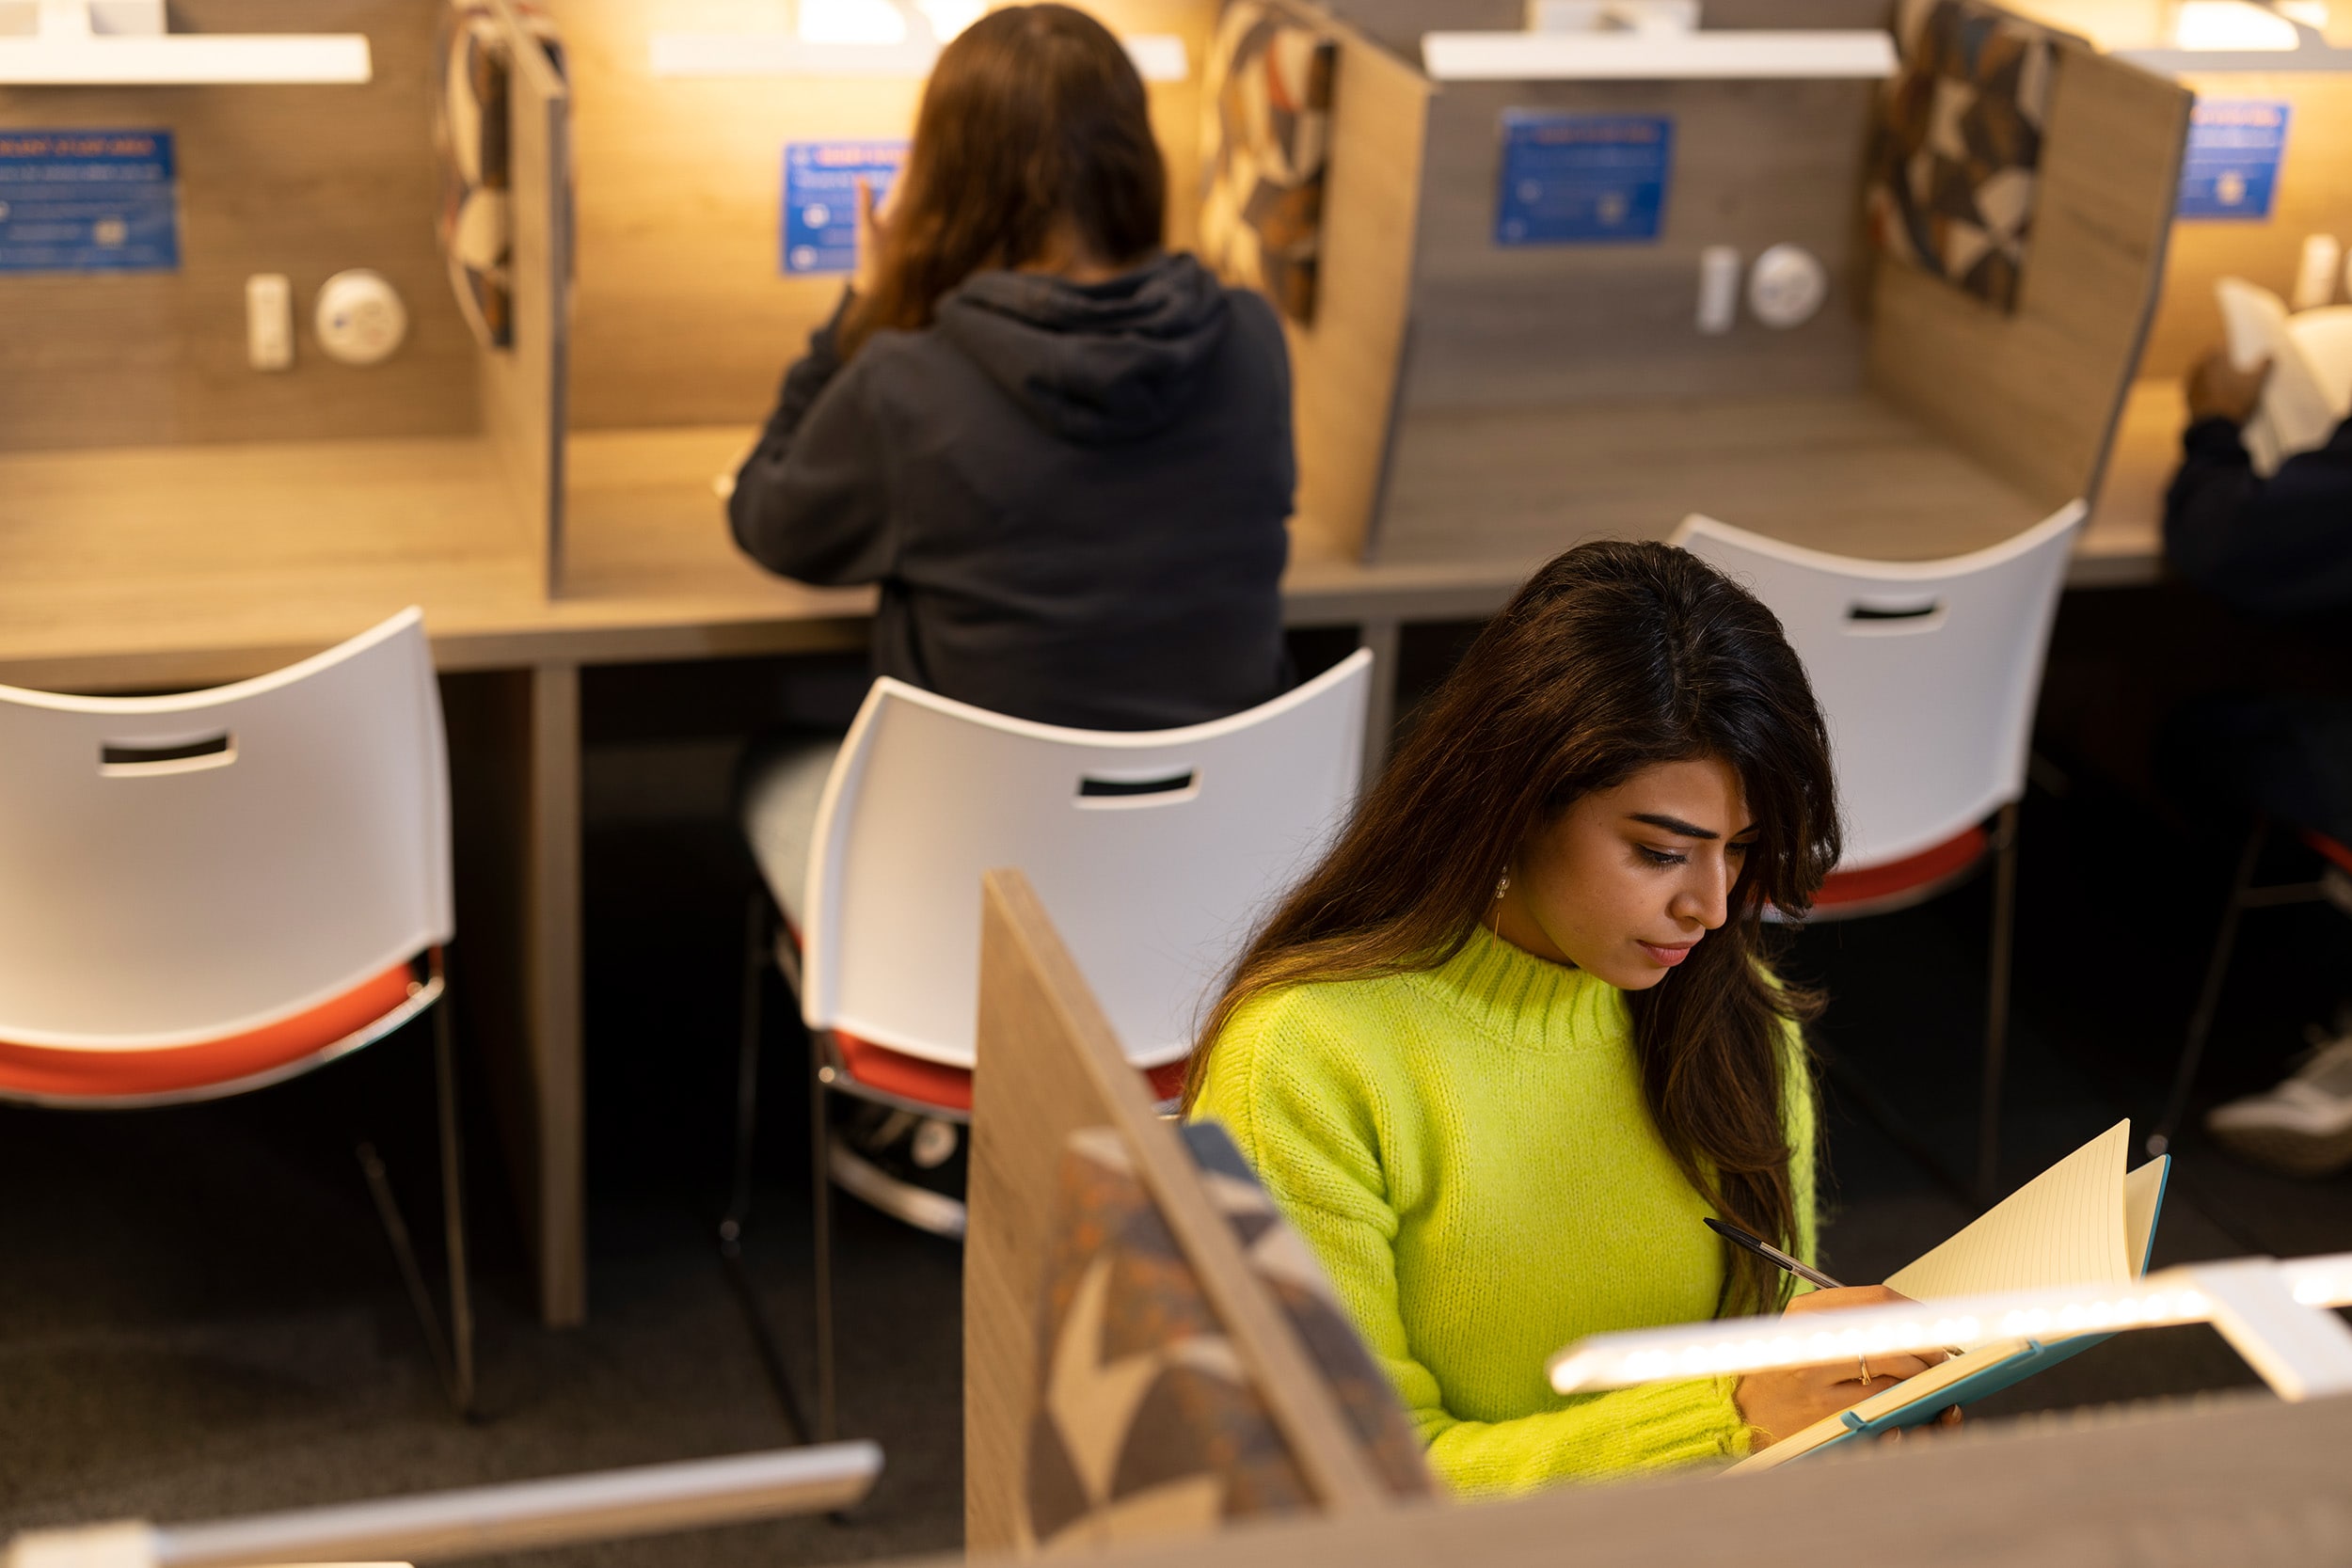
column 66, row 1073
column 1886, row 880
column 2333, row 849
column 895, row 1073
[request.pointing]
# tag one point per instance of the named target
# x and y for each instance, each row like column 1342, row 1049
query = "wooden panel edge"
column 1297, row 1395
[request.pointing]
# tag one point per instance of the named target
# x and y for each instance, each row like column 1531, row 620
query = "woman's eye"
column 1739, row 848
column 1658, row 857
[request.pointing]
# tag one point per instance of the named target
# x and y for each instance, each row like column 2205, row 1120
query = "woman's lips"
column 1666, row 956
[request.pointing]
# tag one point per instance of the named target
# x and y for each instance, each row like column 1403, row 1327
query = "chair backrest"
column 1927, row 670
column 178, row 869
column 1157, row 851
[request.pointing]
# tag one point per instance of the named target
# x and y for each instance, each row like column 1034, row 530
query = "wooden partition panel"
column 1346, row 365
column 523, row 386
column 685, row 316
column 2314, row 197
column 2244, row 1481
column 1048, row 1065
column 304, row 180
column 2034, row 396
column 1755, row 164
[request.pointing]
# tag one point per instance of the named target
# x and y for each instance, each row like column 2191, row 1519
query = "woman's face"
column 1626, row 881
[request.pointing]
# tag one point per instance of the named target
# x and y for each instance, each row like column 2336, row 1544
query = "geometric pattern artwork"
column 1956, row 156
column 469, row 134
column 1145, row 1423
column 1265, row 119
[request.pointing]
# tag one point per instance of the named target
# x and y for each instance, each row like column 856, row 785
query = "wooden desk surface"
column 183, row 565
column 2124, row 544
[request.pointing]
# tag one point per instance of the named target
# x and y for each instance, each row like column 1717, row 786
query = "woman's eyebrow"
column 1672, row 824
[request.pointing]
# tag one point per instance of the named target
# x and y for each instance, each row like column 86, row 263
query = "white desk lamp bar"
column 125, row 43
column 2273, row 1313
column 1157, row 56
column 484, row 1520
column 1727, row 55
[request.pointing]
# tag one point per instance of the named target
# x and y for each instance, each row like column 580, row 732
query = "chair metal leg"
column 453, row 1353
column 821, row 1230
column 1996, row 1008
column 739, row 1201
column 2209, row 999
column 453, row 1208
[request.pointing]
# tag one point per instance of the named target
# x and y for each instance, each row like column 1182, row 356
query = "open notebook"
column 2082, row 1221
column 2310, row 390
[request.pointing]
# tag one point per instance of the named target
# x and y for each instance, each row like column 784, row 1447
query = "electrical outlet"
column 269, row 322
column 2315, row 279
column 1719, row 288
column 359, row 318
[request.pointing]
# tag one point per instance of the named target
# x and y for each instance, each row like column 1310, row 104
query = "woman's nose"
column 1706, row 895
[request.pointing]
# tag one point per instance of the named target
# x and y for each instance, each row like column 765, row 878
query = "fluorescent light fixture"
column 869, row 22
column 1158, row 58
column 1658, row 57
column 125, row 43
column 2273, row 1313
column 2231, row 25
column 949, row 17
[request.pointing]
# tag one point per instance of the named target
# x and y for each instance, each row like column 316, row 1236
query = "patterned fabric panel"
column 1954, row 163
column 1145, row 1423
column 1266, row 118
column 469, row 132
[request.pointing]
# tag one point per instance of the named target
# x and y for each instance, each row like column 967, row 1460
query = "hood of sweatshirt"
column 1093, row 362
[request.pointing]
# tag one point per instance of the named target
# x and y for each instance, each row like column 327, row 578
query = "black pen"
column 1802, row 1270
column 1771, row 1254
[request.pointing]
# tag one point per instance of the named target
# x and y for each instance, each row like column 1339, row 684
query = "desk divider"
column 523, row 386
column 2035, row 395
column 1049, row 1064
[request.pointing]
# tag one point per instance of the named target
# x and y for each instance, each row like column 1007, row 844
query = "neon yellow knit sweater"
column 1467, row 1151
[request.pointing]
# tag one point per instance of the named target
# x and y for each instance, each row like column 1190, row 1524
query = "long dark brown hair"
column 1033, row 116
column 1614, row 658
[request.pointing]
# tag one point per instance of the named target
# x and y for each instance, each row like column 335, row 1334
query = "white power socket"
column 269, row 322
column 1719, row 288
column 359, row 318
column 2316, row 278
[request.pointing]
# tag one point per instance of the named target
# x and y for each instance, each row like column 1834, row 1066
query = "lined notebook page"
column 2064, row 1228
column 2143, row 1193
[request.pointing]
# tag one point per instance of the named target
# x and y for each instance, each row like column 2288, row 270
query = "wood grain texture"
column 2122, row 544
column 1755, row 163
column 684, row 316
column 552, row 971
column 305, row 180
column 1843, row 473
column 2244, row 1481
column 1346, row 365
column 2314, row 195
column 2034, row 395
column 1048, row 1065
column 523, row 386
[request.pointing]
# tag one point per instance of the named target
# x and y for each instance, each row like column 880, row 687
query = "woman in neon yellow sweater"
column 1507, row 1047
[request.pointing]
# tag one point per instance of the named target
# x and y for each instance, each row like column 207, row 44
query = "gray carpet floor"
column 199, row 1315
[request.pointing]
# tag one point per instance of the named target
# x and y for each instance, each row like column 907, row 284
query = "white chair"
column 204, row 893
column 1927, row 672
column 1157, row 851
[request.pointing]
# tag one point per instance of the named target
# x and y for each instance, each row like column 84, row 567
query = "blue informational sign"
column 88, row 201
column 820, row 198
column 1583, row 178
column 2231, row 169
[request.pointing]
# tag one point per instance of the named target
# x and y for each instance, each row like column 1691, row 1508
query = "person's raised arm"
column 2280, row 545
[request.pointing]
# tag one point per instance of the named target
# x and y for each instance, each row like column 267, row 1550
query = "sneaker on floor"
column 910, row 1166
column 2303, row 1126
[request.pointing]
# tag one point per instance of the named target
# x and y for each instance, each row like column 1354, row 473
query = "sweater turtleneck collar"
column 1525, row 1001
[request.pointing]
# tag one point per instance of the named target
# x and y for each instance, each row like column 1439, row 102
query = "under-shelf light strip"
column 1758, row 1344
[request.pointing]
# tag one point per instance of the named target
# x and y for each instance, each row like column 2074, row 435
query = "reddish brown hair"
column 1612, row 658
column 1034, row 117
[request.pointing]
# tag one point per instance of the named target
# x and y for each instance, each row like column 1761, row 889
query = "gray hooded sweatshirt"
column 1071, row 495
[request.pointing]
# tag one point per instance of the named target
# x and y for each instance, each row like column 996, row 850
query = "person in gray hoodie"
column 1063, row 455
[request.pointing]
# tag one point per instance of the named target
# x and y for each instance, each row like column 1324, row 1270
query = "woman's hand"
column 1781, row 1403
column 871, row 226
column 2218, row 389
